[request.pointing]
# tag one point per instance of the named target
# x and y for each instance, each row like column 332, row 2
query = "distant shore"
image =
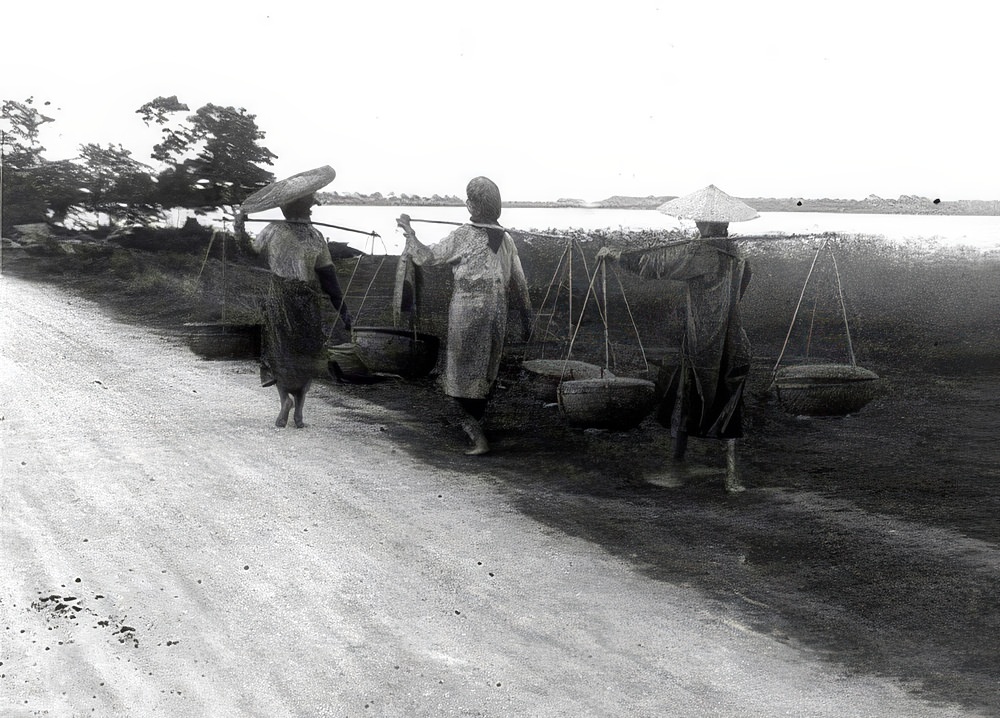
column 905, row 204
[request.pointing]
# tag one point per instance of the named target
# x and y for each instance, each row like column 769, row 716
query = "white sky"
column 550, row 99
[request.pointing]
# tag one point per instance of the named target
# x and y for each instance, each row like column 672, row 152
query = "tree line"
column 207, row 160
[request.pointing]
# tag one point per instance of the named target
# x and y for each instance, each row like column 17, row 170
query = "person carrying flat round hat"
column 302, row 272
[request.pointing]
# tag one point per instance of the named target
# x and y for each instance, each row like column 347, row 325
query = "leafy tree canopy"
column 21, row 148
column 118, row 185
column 213, row 157
column 209, row 159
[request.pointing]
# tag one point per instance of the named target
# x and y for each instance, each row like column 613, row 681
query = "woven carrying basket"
column 389, row 350
column 545, row 375
column 618, row 403
column 217, row 340
column 824, row 389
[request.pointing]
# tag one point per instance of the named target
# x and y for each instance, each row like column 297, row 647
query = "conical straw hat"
column 710, row 204
column 288, row 190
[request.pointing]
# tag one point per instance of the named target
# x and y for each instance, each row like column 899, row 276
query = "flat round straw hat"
column 288, row 190
column 710, row 204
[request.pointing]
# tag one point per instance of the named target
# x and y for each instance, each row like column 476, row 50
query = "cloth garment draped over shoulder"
column 703, row 395
column 477, row 315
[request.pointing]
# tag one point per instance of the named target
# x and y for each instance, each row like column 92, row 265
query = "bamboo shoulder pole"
column 372, row 234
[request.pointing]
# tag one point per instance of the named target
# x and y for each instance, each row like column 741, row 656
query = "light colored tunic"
column 477, row 315
column 293, row 251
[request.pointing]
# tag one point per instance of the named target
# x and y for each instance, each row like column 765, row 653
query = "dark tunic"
column 704, row 394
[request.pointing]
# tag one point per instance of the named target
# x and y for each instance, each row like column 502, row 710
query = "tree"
column 117, row 185
column 21, row 145
column 61, row 184
column 212, row 157
column 23, row 198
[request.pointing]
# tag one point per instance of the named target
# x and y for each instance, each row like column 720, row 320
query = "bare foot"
column 286, row 407
column 480, row 448
column 667, row 480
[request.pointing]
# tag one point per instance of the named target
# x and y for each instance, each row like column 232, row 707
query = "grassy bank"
column 908, row 306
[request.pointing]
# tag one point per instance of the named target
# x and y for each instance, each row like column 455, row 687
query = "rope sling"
column 843, row 308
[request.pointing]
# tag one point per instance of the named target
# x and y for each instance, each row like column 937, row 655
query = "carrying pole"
column 373, row 234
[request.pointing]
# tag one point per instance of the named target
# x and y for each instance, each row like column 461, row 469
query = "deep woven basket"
column 825, row 389
column 544, row 375
column 617, row 403
column 216, row 340
column 389, row 350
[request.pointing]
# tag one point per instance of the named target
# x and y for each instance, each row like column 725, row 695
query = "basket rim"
column 558, row 368
column 825, row 373
column 393, row 332
column 608, row 382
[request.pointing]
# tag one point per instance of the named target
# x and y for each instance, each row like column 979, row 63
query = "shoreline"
column 871, row 205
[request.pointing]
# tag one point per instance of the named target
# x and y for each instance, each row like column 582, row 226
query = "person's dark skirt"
column 293, row 334
column 684, row 408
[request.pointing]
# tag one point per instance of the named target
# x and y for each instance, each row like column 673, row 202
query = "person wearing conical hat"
column 703, row 394
column 302, row 272
column 488, row 274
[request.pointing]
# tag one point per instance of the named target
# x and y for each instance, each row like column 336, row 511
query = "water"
column 981, row 233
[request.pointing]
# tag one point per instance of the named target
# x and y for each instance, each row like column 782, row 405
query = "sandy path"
column 220, row 566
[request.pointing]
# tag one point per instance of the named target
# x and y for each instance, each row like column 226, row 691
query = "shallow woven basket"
column 544, row 375
column 824, row 389
column 618, row 403
column 346, row 366
column 389, row 350
column 217, row 340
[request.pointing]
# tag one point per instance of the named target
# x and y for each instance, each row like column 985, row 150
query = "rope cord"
column 369, row 287
column 586, row 269
column 343, row 296
column 207, row 253
column 812, row 324
column 569, row 291
column 579, row 321
column 635, row 327
column 224, row 284
column 798, row 304
column 548, row 290
column 357, row 265
column 567, row 258
column 843, row 310
column 604, row 291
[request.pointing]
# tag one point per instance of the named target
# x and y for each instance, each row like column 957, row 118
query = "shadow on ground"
column 868, row 539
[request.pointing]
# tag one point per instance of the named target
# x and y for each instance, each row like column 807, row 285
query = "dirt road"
column 167, row 551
